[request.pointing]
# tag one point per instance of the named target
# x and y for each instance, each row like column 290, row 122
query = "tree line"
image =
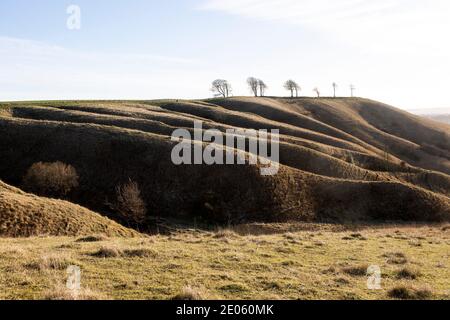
column 222, row 88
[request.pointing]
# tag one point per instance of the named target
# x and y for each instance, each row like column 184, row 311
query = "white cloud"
column 381, row 25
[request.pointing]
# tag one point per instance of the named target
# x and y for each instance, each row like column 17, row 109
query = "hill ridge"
column 378, row 168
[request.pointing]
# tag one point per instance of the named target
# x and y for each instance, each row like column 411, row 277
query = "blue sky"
column 392, row 50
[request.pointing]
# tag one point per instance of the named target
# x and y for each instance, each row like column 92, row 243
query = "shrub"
column 54, row 180
column 130, row 205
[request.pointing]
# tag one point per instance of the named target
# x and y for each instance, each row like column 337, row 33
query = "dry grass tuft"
column 225, row 234
column 139, row 253
column 114, row 252
column 189, row 294
column 51, row 262
column 61, row 293
column 107, row 252
column 357, row 271
column 355, row 236
column 396, row 258
column 290, row 236
column 330, row 270
column 234, row 288
column 273, row 285
column 411, row 293
column 409, row 273
column 92, row 238
column 342, row 281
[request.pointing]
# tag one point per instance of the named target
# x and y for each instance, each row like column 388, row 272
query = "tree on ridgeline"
column 335, row 86
column 253, row 85
column 292, row 86
column 221, row 87
column 262, row 87
column 317, row 91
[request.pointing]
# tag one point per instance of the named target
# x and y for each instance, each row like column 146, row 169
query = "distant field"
column 309, row 262
column 445, row 118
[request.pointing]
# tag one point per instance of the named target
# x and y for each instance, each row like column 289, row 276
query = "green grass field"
column 297, row 261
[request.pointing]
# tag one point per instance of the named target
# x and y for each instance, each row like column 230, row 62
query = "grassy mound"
column 24, row 215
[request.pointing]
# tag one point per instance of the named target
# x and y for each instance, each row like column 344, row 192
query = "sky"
column 395, row 51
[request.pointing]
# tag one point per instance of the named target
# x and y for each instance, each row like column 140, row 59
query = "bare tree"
column 262, row 87
column 228, row 88
column 316, row 90
column 222, row 87
column 253, row 84
column 335, row 86
column 292, row 86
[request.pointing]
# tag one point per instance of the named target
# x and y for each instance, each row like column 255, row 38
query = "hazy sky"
column 396, row 51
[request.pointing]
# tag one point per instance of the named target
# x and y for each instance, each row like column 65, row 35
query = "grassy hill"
column 25, row 215
column 356, row 163
column 341, row 159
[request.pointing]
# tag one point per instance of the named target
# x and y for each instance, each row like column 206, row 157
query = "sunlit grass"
column 309, row 264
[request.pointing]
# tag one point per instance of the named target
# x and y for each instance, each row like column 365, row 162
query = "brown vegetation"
column 130, row 206
column 116, row 252
column 357, row 271
column 411, row 293
column 54, row 180
column 408, row 273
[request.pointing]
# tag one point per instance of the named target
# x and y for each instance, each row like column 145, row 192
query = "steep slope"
column 340, row 159
column 418, row 141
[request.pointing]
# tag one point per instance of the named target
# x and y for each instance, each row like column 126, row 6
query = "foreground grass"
column 250, row 262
